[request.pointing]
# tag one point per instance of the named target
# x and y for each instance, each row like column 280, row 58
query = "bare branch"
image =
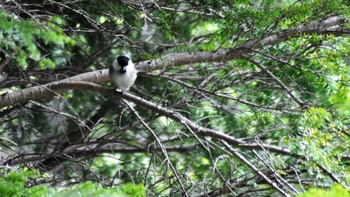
column 279, row 82
column 255, row 169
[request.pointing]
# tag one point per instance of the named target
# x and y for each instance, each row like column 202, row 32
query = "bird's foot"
column 120, row 91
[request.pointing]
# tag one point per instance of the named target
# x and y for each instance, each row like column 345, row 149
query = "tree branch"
column 196, row 129
column 81, row 152
column 199, row 130
column 331, row 25
column 255, row 169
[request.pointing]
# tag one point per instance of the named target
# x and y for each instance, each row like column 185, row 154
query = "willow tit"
column 123, row 73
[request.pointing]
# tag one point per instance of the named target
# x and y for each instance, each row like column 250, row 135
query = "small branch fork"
column 255, row 169
column 164, row 151
column 279, row 82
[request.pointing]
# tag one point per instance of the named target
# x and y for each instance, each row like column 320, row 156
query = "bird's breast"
column 124, row 80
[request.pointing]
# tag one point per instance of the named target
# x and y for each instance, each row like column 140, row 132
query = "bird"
column 123, row 73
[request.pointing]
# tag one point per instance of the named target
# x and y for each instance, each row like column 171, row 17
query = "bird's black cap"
column 123, row 60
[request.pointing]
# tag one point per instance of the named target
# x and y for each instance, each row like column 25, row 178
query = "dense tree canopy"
column 244, row 98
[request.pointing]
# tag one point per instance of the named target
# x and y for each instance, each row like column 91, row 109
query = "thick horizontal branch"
column 51, row 89
column 331, row 25
column 197, row 129
column 171, row 114
column 33, row 157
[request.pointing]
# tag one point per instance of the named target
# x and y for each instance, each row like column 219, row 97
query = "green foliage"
column 92, row 189
column 284, row 106
column 335, row 191
column 133, row 190
column 14, row 184
column 22, row 38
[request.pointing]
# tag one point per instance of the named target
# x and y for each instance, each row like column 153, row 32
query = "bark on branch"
column 199, row 130
column 331, row 25
column 192, row 126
